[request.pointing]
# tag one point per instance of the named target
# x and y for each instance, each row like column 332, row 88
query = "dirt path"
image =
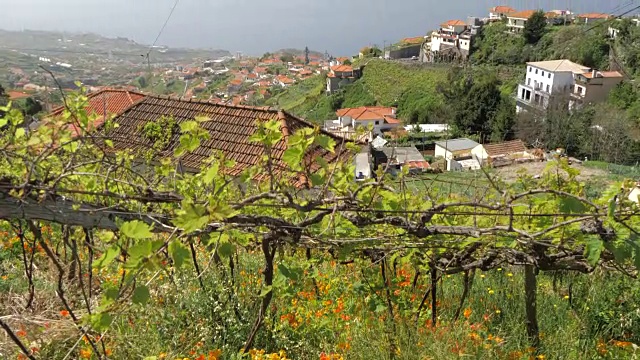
column 510, row 173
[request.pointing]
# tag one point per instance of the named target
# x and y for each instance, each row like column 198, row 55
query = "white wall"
column 440, row 151
column 554, row 81
column 480, row 153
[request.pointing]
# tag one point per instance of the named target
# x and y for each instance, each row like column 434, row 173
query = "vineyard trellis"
column 138, row 214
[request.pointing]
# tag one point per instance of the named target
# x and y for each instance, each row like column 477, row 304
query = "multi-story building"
column 452, row 39
column 500, row 12
column 563, row 80
column 517, row 20
column 341, row 75
column 592, row 87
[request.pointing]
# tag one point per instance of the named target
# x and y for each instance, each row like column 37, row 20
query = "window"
column 529, row 81
column 543, row 73
column 536, row 71
column 548, row 88
column 377, row 122
column 549, row 75
column 529, row 68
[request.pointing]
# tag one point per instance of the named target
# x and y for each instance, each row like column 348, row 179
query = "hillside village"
column 467, row 191
column 389, row 138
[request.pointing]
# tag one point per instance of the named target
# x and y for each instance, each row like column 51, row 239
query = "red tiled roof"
column 342, row 68
column 16, row 95
column 260, row 70
column 594, row 16
column 418, row 164
column 391, row 120
column 285, row 80
column 453, row 23
column 104, row 102
column 229, row 128
column 343, row 59
column 505, row 148
column 605, row 74
column 526, row 14
column 368, row 113
column 501, row 9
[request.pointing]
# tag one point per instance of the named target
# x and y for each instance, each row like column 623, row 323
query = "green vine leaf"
column 192, row 217
column 571, row 205
column 107, row 257
column 136, row 229
column 179, row 253
column 140, row 295
column 593, row 251
column 226, row 249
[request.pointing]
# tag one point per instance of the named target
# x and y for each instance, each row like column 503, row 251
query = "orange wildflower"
column 85, row 353
column 64, row 313
column 467, row 312
column 21, row 333
column 214, row 355
column 622, row 343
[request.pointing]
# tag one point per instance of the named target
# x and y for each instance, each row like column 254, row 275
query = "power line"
column 175, row 5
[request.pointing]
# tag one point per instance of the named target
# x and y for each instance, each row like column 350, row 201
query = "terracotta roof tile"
column 104, row 102
column 505, row 148
column 594, row 16
column 502, row 9
column 526, row 14
column 342, row 68
column 229, row 128
column 453, row 23
column 368, row 113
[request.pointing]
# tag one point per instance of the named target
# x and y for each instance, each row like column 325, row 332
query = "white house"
column 544, row 79
column 458, row 153
column 578, row 83
column 500, row 12
column 350, row 119
column 452, row 38
column 517, row 20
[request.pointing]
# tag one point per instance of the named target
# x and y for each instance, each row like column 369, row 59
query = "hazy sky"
column 255, row 26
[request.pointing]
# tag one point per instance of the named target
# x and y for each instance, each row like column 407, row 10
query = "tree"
column 502, row 127
column 142, row 81
column 286, row 58
column 535, row 27
column 474, row 100
column 32, row 106
column 306, row 55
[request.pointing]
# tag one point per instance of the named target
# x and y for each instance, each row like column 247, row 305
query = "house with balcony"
column 350, row 120
column 341, row 75
column 593, row 87
column 498, row 13
column 563, row 80
column 452, row 40
column 545, row 79
column 517, row 20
